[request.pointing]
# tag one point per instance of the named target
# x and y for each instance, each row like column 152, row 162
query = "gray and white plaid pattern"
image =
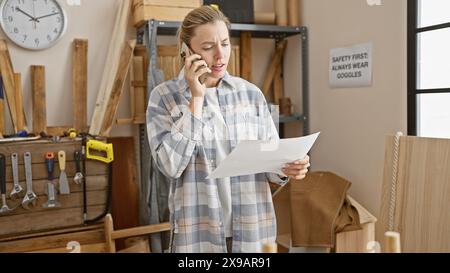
column 184, row 151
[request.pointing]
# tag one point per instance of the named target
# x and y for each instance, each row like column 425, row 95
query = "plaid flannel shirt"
column 183, row 151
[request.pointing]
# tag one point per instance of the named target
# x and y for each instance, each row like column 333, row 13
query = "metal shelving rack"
column 278, row 33
column 147, row 34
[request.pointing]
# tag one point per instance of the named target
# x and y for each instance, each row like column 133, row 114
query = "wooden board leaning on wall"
column 420, row 207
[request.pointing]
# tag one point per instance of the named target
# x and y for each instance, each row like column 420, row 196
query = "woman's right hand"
column 195, row 66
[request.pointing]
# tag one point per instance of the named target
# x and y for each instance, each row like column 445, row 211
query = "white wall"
column 355, row 121
column 93, row 20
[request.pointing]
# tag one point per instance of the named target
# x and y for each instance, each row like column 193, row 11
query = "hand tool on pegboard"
column 93, row 149
column 63, row 183
column 51, row 183
column 4, row 209
column 30, row 197
column 2, row 109
column 17, row 190
column 78, row 178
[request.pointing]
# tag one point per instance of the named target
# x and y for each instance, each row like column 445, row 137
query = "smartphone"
column 187, row 51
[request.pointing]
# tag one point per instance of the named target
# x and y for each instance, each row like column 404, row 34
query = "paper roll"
column 293, row 13
column 280, row 7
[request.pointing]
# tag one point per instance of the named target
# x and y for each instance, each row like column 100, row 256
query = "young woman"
column 194, row 122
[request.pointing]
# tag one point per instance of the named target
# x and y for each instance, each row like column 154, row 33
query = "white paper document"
column 259, row 156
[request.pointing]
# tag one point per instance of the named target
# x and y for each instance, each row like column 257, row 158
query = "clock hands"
column 32, row 18
column 48, row 15
column 34, row 15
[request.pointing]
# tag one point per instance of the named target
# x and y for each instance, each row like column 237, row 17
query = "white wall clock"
column 33, row 24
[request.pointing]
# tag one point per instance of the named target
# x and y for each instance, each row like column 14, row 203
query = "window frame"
column 413, row 91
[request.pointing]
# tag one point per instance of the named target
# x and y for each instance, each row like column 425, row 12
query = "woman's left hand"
column 298, row 169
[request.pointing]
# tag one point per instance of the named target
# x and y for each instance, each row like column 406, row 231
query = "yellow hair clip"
column 215, row 6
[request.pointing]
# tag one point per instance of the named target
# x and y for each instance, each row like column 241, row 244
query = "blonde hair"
column 197, row 17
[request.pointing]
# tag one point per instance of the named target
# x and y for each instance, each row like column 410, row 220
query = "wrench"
column 30, row 198
column 78, row 179
column 4, row 208
column 52, row 202
column 17, row 191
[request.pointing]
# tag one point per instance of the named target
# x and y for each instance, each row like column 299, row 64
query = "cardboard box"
column 162, row 10
column 238, row 11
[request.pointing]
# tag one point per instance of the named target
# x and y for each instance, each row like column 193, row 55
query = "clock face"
column 33, row 24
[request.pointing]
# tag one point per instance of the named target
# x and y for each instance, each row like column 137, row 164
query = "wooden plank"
column 51, row 232
column 2, row 109
column 7, row 73
column 39, row 103
column 423, row 215
column 172, row 3
column 124, row 186
column 117, row 89
column 141, row 51
column 136, row 245
column 139, row 231
column 168, row 58
column 423, row 194
column 43, row 220
column 57, row 131
column 21, row 125
column 108, row 229
column 138, row 84
column 132, row 89
column 246, row 56
column 53, row 241
column 265, row 18
column 160, row 13
column 90, row 248
column 293, row 13
column 169, row 61
column 139, row 92
column 276, row 60
column 234, row 63
column 168, row 50
column 231, row 63
column 111, row 67
column 125, row 121
column 281, row 11
column 39, row 170
column 278, row 85
column 80, row 84
column 237, row 57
